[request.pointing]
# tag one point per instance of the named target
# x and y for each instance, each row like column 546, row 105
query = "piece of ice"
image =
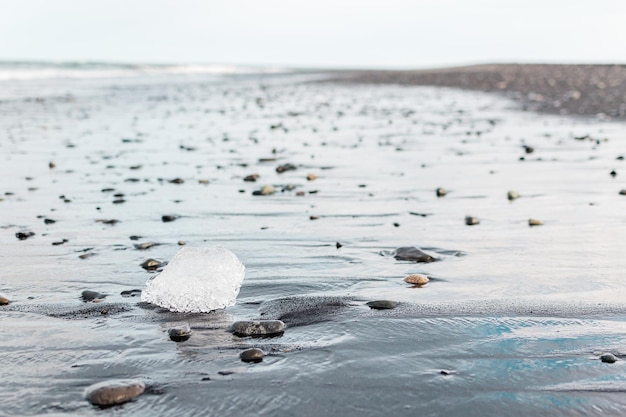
column 197, row 280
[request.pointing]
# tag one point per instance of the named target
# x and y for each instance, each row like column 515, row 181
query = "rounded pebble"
column 535, row 222
column 471, row 221
column 608, row 358
column 512, row 195
column 4, row 301
column 383, row 304
column 416, row 279
column 88, row 295
column 252, row 355
column 622, row 192
column 258, row 328
column 179, row 334
column 440, row 192
column 151, row 264
column 114, row 392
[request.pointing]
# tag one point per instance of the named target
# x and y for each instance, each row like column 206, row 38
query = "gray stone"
column 114, row 392
column 179, row 334
column 252, row 355
column 258, row 328
column 382, row 304
column 608, row 358
column 471, row 221
column 88, row 295
column 411, row 253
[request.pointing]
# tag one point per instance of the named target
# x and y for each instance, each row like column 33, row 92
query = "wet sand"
column 584, row 90
column 512, row 322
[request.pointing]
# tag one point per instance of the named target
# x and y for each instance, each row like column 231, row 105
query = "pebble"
column 339, row 245
column 151, row 264
column 411, row 253
column 24, row 235
column 89, row 295
column 284, row 168
column 416, row 279
column 535, row 222
column 49, row 221
column 258, row 328
column 111, row 222
column 130, row 293
column 168, row 218
column 204, row 182
column 114, row 392
column 265, row 190
column 622, row 192
column 60, row 242
column 181, row 243
column 177, row 181
column 471, row 221
column 608, row 358
column 4, row 301
column 441, row 192
column 145, row 245
column 300, row 194
column 179, row 334
column 314, row 217
column 382, row 304
column 512, row 195
column 252, row 355
column 251, row 178
column 613, row 173
column 311, row 177
column 447, row 372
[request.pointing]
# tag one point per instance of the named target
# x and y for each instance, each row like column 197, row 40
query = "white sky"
column 331, row 33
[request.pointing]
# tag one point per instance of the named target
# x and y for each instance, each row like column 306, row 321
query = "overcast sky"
column 331, row 33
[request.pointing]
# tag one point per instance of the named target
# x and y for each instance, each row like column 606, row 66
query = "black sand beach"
column 587, row 90
column 319, row 189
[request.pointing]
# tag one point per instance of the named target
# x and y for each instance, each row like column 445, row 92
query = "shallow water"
column 518, row 315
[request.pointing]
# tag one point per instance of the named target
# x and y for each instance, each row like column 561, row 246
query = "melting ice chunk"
column 197, row 280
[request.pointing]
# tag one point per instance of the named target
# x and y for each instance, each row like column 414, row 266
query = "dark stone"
column 440, row 192
column 608, row 358
column 179, row 334
column 110, row 222
column 177, row 181
column 471, row 221
column 613, row 173
column 168, row 218
column 258, row 328
column 145, row 245
column 151, row 264
column 284, row 168
column 131, row 293
column 49, row 221
column 114, row 392
column 252, row 355
column 251, row 178
column 89, row 295
column 338, row 245
column 382, row 304
column 60, row 242
column 24, row 235
column 413, row 254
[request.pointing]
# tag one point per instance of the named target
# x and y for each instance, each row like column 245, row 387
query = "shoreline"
column 578, row 90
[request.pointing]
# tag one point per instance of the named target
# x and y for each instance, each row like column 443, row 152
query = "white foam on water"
column 197, row 280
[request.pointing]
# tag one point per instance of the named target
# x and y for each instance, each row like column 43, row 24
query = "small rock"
column 179, row 334
column 529, row 149
column 177, row 181
column 613, row 173
column 49, row 221
column 51, row 165
column 286, row 167
column 110, row 222
column 151, row 264
column 512, row 195
column 447, row 372
column 203, row 182
column 622, row 192
column 416, row 279
column 441, row 192
column 119, row 201
column 411, row 253
column 88, row 296
column 252, row 355
column 251, row 178
column 314, row 217
column 130, row 293
column 265, row 190
column 300, row 194
column 114, row 392
column 168, row 218
column 535, row 222
column 145, row 245
column 382, row 304
column 24, row 235
column 608, row 358
column 471, row 221
column 86, row 255
column 181, row 243
column 258, row 328
column 4, row 301
column 339, row 245
column 60, row 242
column 311, row 177
column 135, row 237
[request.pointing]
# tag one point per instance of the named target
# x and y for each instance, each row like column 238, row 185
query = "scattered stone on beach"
column 339, row 245
column 535, row 222
column 87, row 254
column 622, row 192
column 145, row 245
column 251, row 178
column 382, row 304
column 252, row 355
column 166, row 218
column 314, row 217
column 529, row 149
column 197, row 280
column 284, row 168
column 265, row 190
column 49, row 221
column 111, row 222
column 119, row 201
column 608, row 358
column 613, row 173
column 114, row 392
column 60, row 242
column 131, row 293
column 181, row 243
column 4, row 301
column 92, row 296
column 203, row 181
column 151, row 264
column 440, row 192
column 311, row 177
column 512, row 195
column 300, row 194
column 416, row 279
column 258, row 328
column 177, row 181
column 411, row 253
column 447, row 372
column 52, row 165
column 24, row 235
column 135, row 237
column 179, row 334
column 471, row 220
